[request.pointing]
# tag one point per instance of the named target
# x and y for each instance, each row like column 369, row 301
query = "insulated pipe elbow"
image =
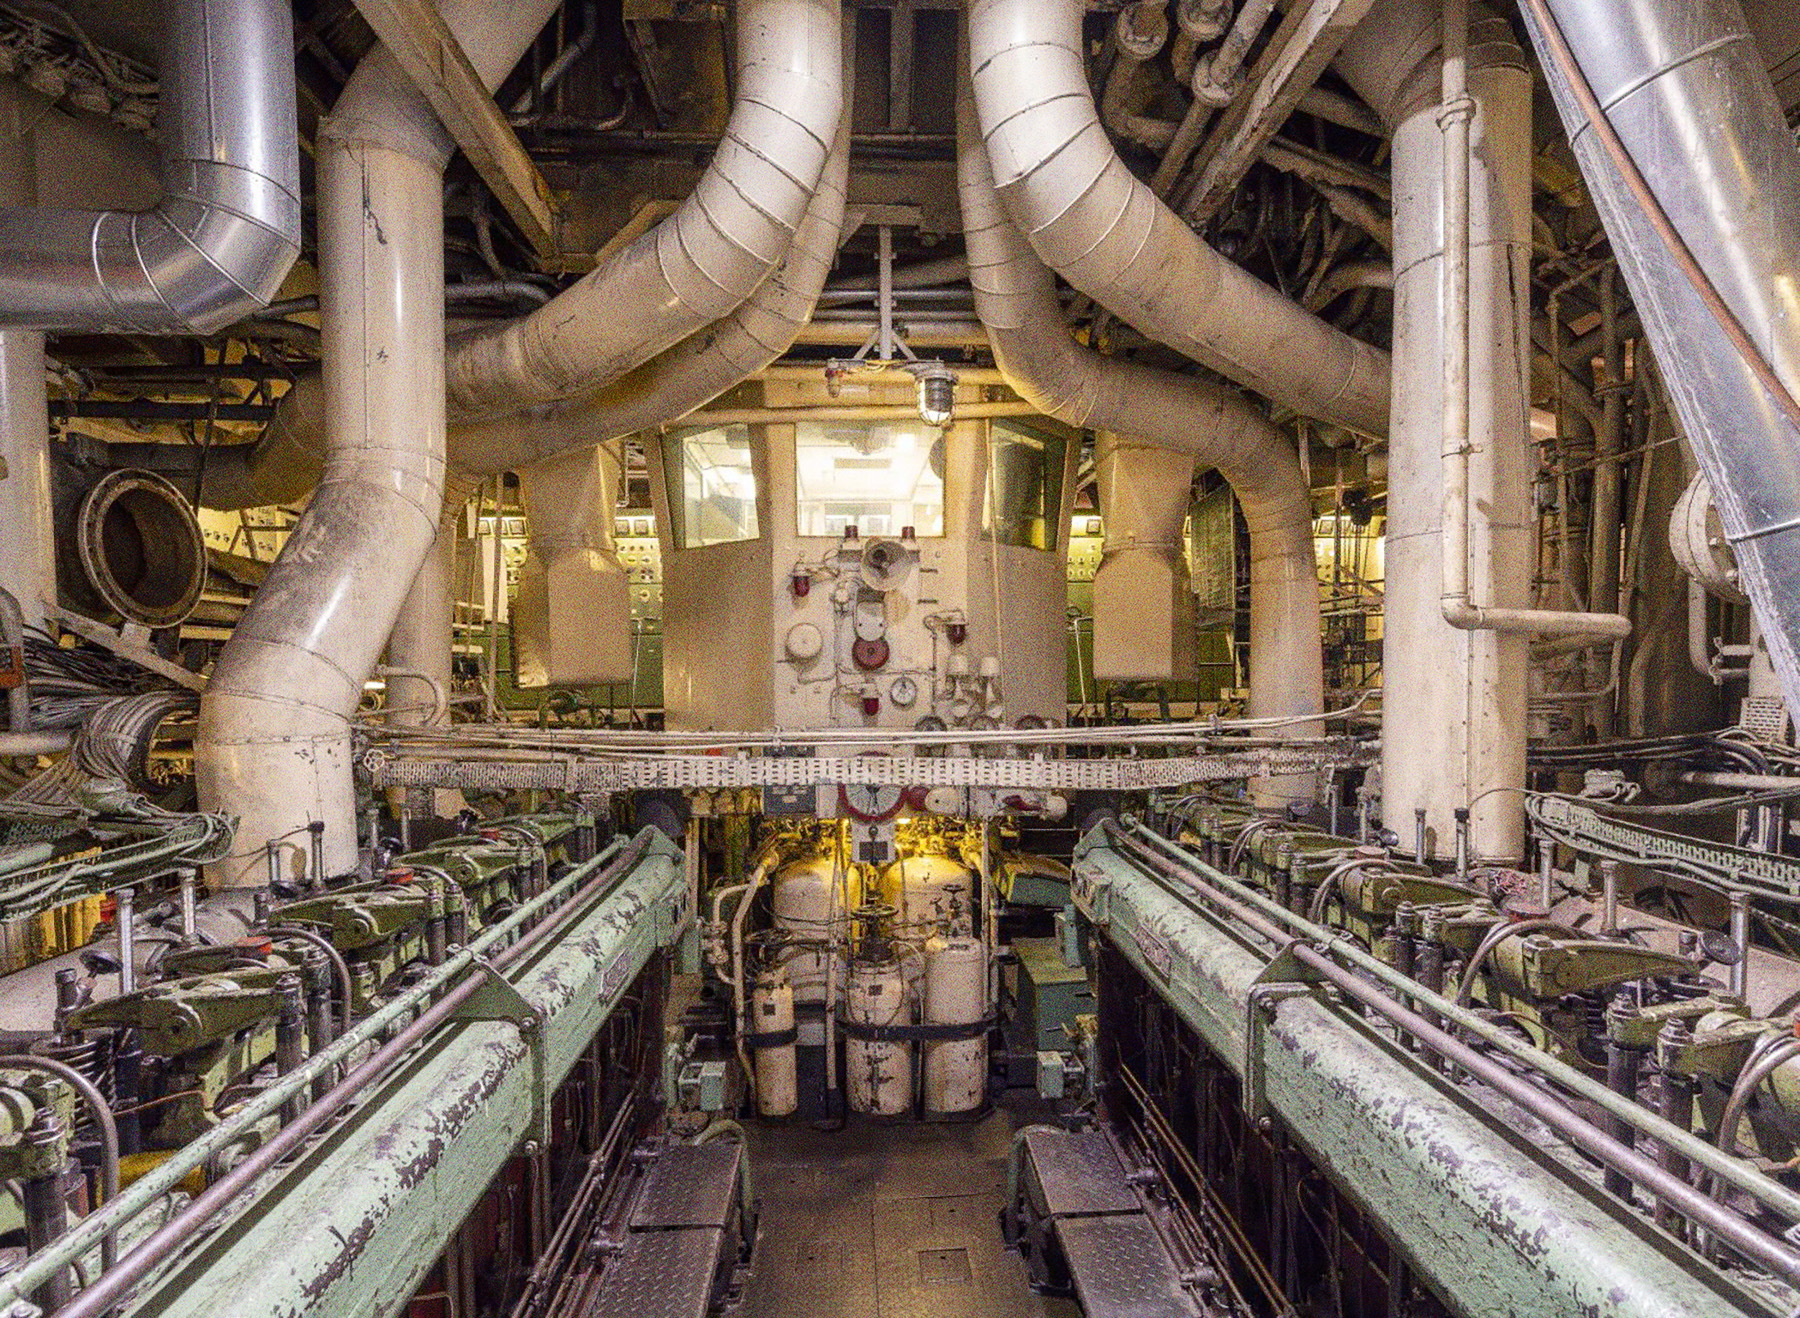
column 1109, row 235
column 1015, row 296
column 695, row 371
column 221, row 241
column 704, row 260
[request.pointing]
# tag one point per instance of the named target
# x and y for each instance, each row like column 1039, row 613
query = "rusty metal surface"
column 1121, row 1269
column 689, row 1185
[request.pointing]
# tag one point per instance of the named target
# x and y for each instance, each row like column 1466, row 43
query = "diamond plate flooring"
column 886, row 1222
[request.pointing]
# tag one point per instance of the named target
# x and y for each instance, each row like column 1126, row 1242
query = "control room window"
column 1022, row 504
column 878, row 478
column 713, row 486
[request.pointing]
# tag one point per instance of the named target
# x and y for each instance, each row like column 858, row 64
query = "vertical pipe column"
column 27, row 558
column 1453, row 726
column 274, row 739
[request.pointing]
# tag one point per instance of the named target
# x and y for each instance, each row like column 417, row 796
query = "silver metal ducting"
column 1688, row 95
column 1108, row 234
column 219, row 244
column 1015, row 296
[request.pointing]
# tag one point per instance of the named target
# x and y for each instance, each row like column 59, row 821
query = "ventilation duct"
column 1686, row 91
column 274, row 745
column 1015, row 296
column 573, row 591
column 700, row 263
column 218, row 245
column 1108, row 234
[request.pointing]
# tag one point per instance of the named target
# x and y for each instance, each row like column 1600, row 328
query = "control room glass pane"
column 879, row 478
column 713, row 485
column 1025, row 486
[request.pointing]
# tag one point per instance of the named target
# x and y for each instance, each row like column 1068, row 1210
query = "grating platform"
column 679, row 1233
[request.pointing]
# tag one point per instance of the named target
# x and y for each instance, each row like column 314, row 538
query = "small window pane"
column 878, row 478
column 713, row 485
column 1025, row 486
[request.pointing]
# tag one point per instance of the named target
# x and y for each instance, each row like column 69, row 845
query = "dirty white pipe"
column 1015, row 295
column 1109, row 235
column 273, row 743
column 700, row 263
column 1454, row 701
column 1459, row 432
column 284, row 463
column 28, row 543
column 695, row 371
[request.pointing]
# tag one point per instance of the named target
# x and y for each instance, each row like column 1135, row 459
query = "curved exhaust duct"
column 1108, row 234
column 1015, row 296
column 285, row 462
column 1687, row 93
column 219, row 244
column 705, row 259
column 273, row 744
column 695, row 371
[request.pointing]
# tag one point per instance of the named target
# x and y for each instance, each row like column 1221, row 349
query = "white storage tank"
column 772, row 1027
column 955, row 991
column 802, row 906
column 877, row 1076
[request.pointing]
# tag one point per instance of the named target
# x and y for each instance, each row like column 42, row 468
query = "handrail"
column 1765, row 1191
column 144, row 1193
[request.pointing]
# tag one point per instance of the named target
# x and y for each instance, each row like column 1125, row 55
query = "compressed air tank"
column 802, row 906
column 955, row 991
column 932, row 894
column 877, row 1075
column 772, row 1028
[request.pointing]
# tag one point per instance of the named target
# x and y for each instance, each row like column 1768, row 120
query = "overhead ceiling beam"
column 430, row 55
column 1308, row 39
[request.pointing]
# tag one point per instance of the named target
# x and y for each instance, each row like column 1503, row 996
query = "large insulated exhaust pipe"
column 1697, row 134
column 1103, row 229
column 218, row 245
column 1015, row 296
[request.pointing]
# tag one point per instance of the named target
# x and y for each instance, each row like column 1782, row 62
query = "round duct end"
column 141, row 548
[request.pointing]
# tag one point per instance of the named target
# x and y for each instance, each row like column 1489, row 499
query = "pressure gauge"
column 872, row 803
column 903, row 691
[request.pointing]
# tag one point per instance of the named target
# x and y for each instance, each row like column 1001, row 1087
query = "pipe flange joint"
column 1457, row 110
column 1203, row 20
column 1140, row 31
column 1216, row 93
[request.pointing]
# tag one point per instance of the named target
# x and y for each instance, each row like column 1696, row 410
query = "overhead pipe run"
column 1108, row 234
column 220, row 242
column 703, row 261
column 1015, row 295
column 1684, row 147
column 700, row 368
column 285, row 462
